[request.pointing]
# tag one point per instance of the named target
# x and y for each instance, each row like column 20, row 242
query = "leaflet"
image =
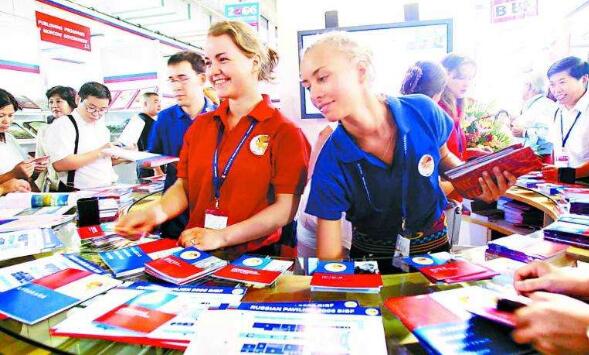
column 291, row 328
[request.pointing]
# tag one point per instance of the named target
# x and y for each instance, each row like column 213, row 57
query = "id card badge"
column 562, row 159
column 215, row 219
column 403, row 246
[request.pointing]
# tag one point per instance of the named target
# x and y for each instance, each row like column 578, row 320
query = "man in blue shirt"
column 186, row 74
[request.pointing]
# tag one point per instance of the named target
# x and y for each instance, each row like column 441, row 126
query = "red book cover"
column 135, row 318
column 158, row 245
column 455, row 270
column 419, row 311
column 174, row 267
column 346, row 280
column 247, row 275
column 515, row 159
column 61, row 278
column 90, row 232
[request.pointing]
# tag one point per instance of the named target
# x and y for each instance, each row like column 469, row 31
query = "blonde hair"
column 343, row 42
column 248, row 42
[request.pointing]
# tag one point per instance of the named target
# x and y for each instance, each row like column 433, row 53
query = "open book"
column 514, row 159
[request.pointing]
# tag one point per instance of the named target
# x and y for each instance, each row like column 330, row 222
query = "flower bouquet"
column 482, row 130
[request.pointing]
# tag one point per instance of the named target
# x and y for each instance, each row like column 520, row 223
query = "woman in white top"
column 15, row 166
column 62, row 101
column 568, row 79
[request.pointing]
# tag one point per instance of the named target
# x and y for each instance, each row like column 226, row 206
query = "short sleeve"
column 182, row 168
column 60, row 139
column 327, row 199
column 442, row 124
column 154, row 142
column 290, row 161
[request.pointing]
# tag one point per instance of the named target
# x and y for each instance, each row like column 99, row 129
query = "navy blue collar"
column 349, row 151
column 181, row 114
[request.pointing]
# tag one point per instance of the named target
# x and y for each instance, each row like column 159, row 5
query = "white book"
column 132, row 131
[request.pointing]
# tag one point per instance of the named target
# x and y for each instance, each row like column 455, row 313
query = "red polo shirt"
column 273, row 160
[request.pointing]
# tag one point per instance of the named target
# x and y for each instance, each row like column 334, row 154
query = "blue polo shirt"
column 167, row 134
column 166, row 138
column 347, row 179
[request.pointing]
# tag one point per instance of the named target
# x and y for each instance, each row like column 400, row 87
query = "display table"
column 288, row 288
column 531, row 198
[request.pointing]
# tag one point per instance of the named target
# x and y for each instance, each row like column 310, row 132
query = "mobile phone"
column 88, row 212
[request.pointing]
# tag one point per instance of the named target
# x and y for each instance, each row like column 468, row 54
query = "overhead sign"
column 508, row 10
column 248, row 12
column 55, row 30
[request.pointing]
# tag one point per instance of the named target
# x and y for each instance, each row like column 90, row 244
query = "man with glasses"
column 186, row 76
column 75, row 144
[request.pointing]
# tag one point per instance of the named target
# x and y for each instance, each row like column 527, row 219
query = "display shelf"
column 500, row 226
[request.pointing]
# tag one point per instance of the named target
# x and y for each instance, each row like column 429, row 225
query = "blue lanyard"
column 562, row 136
column 219, row 180
column 404, row 186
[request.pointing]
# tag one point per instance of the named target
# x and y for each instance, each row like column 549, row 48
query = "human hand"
column 550, row 173
column 14, row 185
column 203, row 238
column 542, row 276
column 23, row 170
column 554, row 324
column 135, row 225
column 493, row 190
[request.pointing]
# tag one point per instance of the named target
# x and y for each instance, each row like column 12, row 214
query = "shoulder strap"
column 72, row 173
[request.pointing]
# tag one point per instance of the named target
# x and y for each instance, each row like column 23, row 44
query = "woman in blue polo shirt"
column 380, row 165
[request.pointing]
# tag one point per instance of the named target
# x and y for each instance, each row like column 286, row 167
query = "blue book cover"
column 191, row 255
column 84, row 264
column 475, row 336
column 32, row 303
column 335, row 267
column 252, row 261
column 423, row 260
column 126, row 261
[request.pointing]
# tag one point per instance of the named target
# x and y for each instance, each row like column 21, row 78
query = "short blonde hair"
column 353, row 49
column 248, row 42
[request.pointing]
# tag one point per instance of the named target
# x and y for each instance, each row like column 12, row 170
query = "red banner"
column 56, row 30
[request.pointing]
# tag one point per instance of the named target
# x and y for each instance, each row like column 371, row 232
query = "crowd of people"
column 370, row 187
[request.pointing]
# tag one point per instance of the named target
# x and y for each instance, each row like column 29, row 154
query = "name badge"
column 403, row 246
column 562, row 159
column 215, row 219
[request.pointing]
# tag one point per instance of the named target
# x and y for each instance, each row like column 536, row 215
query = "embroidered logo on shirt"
column 259, row 144
column 426, row 165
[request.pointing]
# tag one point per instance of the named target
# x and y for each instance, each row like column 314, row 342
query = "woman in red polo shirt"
column 243, row 166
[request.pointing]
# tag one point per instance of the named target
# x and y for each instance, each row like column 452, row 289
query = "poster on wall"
column 508, row 10
column 56, row 30
column 248, row 12
column 395, row 48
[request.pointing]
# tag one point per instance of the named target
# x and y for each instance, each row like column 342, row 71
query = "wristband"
column 567, row 175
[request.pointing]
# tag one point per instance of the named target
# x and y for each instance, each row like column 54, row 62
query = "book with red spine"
column 184, row 266
column 457, row 271
column 347, row 276
column 257, row 271
column 515, row 159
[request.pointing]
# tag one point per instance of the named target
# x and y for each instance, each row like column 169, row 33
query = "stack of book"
column 526, row 248
column 515, row 159
column 40, row 299
column 580, row 205
column 443, row 268
column 257, row 271
column 569, row 229
column 130, row 261
column 347, row 276
column 184, row 266
column 445, row 322
column 520, row 214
